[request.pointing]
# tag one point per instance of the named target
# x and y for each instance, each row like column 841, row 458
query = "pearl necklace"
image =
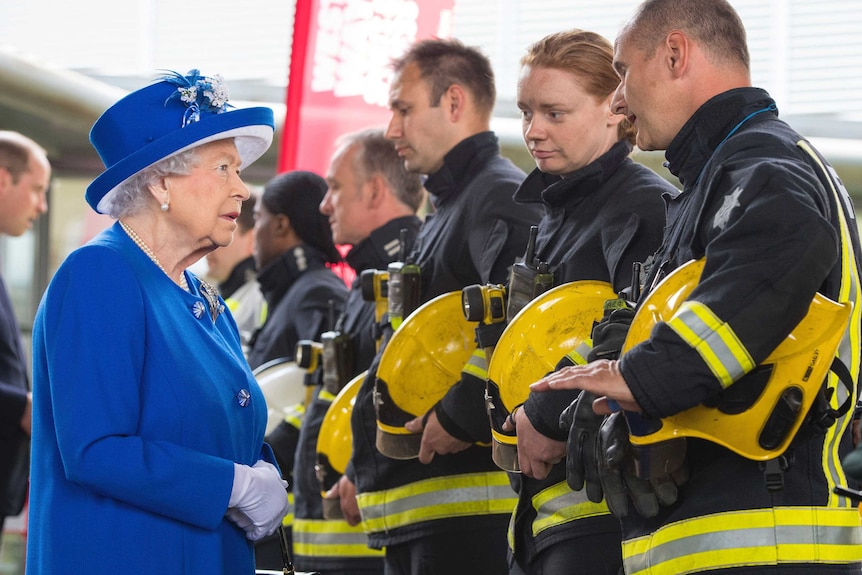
column 146, row 249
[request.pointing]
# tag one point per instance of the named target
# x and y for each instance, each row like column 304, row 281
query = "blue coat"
column 136, row 422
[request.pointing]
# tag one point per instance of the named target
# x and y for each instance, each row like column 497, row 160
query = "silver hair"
column 132, row 195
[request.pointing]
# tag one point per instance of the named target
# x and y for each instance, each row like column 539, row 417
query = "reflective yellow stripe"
column 437, row 498
column 294, row 415
column 848, row 349
column 578, row 356
column 510, row 534
column 477, row 365
column 324, row 538
column 324, row 395
column 232, row 304
column 746, row 538
column 558, row 504
column 714, row 340
column 288, row 519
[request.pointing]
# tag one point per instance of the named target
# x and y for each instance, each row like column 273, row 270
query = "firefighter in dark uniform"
column 456, row 508
column 293, row 248
column 774, row 227
column 603, row 213
column 371, row 201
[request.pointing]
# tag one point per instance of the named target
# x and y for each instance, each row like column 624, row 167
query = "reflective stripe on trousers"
column 437, row 498
column 558, row 504
column 331, row 538
column 817, row 535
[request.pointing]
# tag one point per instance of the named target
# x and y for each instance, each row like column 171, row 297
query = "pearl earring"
column 165, row 205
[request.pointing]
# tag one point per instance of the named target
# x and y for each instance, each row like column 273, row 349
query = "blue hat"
column 166, row 118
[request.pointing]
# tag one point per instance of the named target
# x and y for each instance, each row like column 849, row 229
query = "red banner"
column 340, row 69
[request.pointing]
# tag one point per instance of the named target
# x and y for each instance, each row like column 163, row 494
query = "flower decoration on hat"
column 200, row 94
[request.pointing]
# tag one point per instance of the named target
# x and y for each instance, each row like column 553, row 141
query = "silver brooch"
column 198, row 309
column 243, row 397
column 211, row 295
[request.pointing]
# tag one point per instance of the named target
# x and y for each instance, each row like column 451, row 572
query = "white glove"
column 258, row 499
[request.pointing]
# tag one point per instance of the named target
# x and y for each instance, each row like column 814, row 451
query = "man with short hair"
column 25, row 175
column 371, row 199
column 774, row 226
column 451, row 514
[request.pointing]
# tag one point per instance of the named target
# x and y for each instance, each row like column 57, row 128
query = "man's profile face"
column 24, row 200
column 419, row 131
column 645, row 93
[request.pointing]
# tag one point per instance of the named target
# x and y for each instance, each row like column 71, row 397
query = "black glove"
column 621, row 484
column 610, row 333
column 583, row 425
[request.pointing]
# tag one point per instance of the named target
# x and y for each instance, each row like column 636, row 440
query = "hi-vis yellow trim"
column 324, row 395
column 819, row 535
column 714, row 340
column 232, row 304
column 294, row 415
column 331, row 538
column 288, row 519
column 437, row 498
column 558, row 504
column 848, row 349
column 578, row 356
column 477, row 365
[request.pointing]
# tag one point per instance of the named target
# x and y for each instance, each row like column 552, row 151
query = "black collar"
column 698, row 139
column 277, row 277
column 460, row 164
column 555, row 191
column 382, row 245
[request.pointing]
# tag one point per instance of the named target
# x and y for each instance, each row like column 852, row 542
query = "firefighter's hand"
column 601, row 377
column 345, row 491
column 435, row 439
column 537, row 454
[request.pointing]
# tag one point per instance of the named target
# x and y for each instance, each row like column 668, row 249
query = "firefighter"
column 293, row 249
column 454, row 510
column 603, row 214
column 371, row 199
column 773, row 226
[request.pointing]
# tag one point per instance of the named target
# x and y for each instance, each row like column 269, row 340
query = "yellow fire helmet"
column 419, row 364
column 555, row 324
column 283, row 385
column 335, row 443
column 778, row 393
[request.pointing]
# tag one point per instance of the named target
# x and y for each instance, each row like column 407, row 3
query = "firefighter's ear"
column 676, row 52
column 454, row 102
column 377, row 190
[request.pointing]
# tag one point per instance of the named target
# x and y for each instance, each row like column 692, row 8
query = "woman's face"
column 207, row 201
column 564, row 127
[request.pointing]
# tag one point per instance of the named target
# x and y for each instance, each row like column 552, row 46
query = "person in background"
column 148, row 425
column 234, row 269
column 442, row 97
column 25, row 174
column 603, row 213
column 293, row 252
column 774, row 226
column 371, row 198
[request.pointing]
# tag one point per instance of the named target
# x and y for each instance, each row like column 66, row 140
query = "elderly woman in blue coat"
column 148, row 451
